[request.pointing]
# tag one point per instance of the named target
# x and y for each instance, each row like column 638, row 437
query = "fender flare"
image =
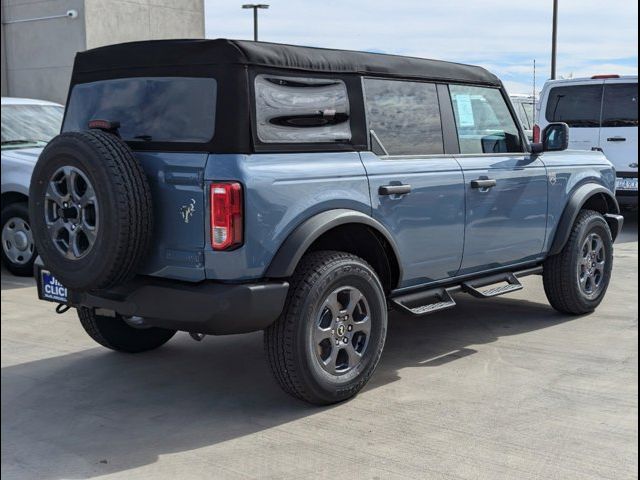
column 298, row 242
column 575, row 203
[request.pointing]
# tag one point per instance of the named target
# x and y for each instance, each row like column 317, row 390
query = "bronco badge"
column 186, row 211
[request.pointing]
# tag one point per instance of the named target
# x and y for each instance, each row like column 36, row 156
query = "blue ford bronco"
column 221, row 187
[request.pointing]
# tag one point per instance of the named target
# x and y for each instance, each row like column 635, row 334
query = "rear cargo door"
column 176, row 181
column 619, row 131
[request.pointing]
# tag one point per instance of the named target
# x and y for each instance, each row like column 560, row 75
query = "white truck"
column 602, row 114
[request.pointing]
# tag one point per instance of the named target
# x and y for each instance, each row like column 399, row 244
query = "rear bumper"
column 627, row 198
column 205, row 307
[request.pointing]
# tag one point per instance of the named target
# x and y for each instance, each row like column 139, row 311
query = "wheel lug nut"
column 349, row 328
column 345, row 340
column 337, row 342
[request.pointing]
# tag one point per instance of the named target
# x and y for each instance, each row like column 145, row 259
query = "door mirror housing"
column 555, row 138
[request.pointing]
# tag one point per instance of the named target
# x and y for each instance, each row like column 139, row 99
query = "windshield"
column 149, row 109
column 25, row 126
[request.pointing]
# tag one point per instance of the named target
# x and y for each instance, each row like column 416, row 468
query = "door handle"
column 616, row 139
column 402, row 189
column 483, row 183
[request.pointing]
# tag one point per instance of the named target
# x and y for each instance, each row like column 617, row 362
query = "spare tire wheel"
column 90, row 207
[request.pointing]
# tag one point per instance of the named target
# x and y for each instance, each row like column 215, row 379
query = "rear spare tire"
column 90, row 209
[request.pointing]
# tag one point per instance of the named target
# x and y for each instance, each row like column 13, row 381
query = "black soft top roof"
column 190, row 53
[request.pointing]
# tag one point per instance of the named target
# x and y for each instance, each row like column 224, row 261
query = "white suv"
column 602, row 113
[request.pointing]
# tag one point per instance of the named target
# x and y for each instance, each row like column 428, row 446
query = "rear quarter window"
column 301, row 109
column 576, row 105
column 620, row 105
column 149, row 109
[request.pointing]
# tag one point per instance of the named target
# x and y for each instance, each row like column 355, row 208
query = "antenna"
column 534, row 83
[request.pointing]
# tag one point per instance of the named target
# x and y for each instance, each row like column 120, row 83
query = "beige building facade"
column 41, row 37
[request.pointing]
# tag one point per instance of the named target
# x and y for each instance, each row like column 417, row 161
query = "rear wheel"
column 576, row 279
column 329, row 338
column 18, row 247
column 120, row 334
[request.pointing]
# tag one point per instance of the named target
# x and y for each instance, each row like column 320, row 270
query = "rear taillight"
column 226, row 215
column 536, row 133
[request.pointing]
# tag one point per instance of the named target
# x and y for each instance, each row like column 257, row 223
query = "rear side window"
column 149, row 109
column 405, row 116
column 301, row 110
column 576, row 105
column 620, row 105
column 484, row 121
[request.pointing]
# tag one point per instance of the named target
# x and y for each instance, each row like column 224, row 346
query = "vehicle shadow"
column 97, row 412
column 8, row 281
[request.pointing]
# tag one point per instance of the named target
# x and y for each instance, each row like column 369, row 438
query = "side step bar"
column 473, row 287
column 435, row 299
column 427, row 301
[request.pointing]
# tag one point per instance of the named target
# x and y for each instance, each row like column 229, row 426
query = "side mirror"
column 555, row 138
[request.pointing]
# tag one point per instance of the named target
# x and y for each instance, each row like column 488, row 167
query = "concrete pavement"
column 494, row 389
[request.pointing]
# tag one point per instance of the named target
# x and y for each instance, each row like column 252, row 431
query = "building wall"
column 120, row 21
column 38, row 55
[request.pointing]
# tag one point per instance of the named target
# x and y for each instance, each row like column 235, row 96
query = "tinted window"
column 301, row 110
column 159, row 109
column 29, row 125
column 576, row 105
column 620, row 106
column 483, row 120
column 405, row 116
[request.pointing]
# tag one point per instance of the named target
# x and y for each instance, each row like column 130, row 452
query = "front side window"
column 405, row 116
column 301, row 110
column 149, row 109
column 525, row 112
column 25, row 126
column 620, row 105
column 483, row 121
column 576, row 105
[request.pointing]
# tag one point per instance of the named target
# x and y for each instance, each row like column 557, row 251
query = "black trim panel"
column 572, row 209
column 297, row 243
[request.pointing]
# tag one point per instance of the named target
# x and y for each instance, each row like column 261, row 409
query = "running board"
column 473, row 287
column 439, row 298
column 428, row 301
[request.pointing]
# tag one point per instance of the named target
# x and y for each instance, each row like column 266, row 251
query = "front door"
column 417, row 192
column 505, row 187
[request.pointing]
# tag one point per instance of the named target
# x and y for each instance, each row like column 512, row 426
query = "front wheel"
column 576, row 280
column 18, row 247
column 329, row 338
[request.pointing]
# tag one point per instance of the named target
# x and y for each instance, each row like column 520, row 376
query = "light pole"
column 554, row 39
column 255, row 7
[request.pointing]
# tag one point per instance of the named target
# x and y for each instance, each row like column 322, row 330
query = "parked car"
column 27, row 126
column 221, row 187
column 602, row 114
column 525, row 107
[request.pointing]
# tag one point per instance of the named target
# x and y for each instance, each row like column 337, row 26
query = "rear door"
column 619, row 131
column 505, row 187
column 417, row 191
column 161, row 118
column 578, row 105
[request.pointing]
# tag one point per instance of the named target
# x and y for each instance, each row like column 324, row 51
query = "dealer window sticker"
column 465, row 110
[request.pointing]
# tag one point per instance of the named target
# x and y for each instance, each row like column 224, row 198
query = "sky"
column 501, row 35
